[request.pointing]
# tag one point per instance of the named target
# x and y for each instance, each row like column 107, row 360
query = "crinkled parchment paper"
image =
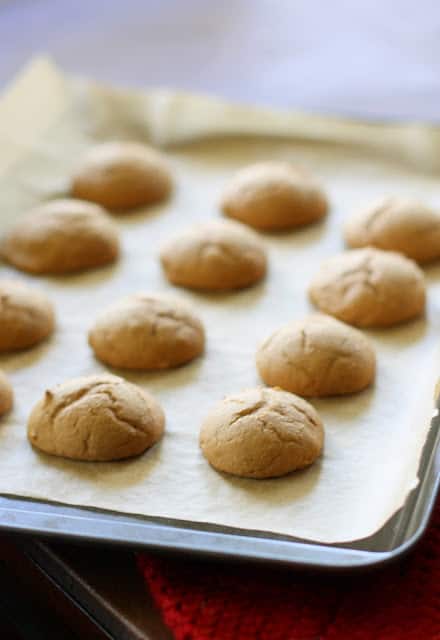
column 373, row 439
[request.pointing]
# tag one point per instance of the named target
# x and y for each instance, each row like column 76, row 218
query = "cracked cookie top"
column 61, row 236
column 215, row 256
column 274, row 195
column 26, row 316
column 397, row 224
column 95, row 418
column 262, row 433
column 144, row 331
column 369, row 288
column 317, row 356
column 122, row 175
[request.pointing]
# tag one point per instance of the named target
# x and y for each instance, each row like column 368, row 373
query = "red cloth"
column 202, row 600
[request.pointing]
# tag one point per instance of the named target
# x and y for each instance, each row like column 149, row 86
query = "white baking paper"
column 373, row 439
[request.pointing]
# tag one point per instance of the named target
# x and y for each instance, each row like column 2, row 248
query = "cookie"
column 397, row 224
column 26, row 316
column 122, row 175
column 274, row 196
column 262, row 433
column 6, row 394
column 317, row 356
column 369, row 288
column 61, row 236
column 95, row 418
column 147, row 332
column 215, row 256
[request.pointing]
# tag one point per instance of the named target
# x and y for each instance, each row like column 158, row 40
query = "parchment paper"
column 373, row 439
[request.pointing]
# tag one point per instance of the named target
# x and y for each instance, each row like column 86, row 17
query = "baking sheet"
column 373, row 439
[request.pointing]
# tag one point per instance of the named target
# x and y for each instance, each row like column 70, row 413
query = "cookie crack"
column 306, row 415
column 378, row 213
column 295, row 364
column 172, row 317
column 221, row 248
column 114, row 409
column 70, row 399
column 247, row 411
column 365, row 271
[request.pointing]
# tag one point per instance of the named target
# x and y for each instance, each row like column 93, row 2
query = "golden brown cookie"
column 122, row 175
column 397, row 224
column 262, row 433
column 26, row 316
column 317, row 356
column 215, row 256
column 274, row 196
column 6, row 394
column 95, row 418
column 61, row 236
column 147, row 332
column 369, row 288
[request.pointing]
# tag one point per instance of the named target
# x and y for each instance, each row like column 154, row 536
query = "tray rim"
column 142, row 533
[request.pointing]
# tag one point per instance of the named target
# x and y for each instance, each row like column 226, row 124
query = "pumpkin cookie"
column 147, row 332
column 369, row 288
column 95, row 418
column 122, row 175
column 317, row 356
column 262, row 433
column 61, row 236
column 273, row 196
column 397, row 224
column 215, row 256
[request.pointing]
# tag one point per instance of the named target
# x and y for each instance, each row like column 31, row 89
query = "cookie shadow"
column 400, row 336
column 432, row 272
column 238, row 298
column 278, row 491
column 344, row 409
column 118, row 474
column 299, row 236
column 141, row 214
column 180, row 376
column 85, row 278
column 12, row 360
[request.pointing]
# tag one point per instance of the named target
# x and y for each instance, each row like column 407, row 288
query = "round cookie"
column 274, row 196
column 215, row 256
column 262, row 433
column 61, row 236
column 95, row 418
column 397, row 224
column 6, row 394
column 147, row 332
column 26, row 316
column 122, row 175
column 317, row 356
column 369, row 288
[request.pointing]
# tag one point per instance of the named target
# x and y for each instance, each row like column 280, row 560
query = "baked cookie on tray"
column 274, row 196
column 397, row 224
column 122, row 175
column 369, row 288
column 215, row 256
column 262, row 433
column 145, row 331
column 61, row 236
column 95, row 418
column 317, row 356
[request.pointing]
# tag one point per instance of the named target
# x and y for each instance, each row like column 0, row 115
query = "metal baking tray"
column 398, row 536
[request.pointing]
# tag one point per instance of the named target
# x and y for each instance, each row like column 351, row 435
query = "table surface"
column 366, row 59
